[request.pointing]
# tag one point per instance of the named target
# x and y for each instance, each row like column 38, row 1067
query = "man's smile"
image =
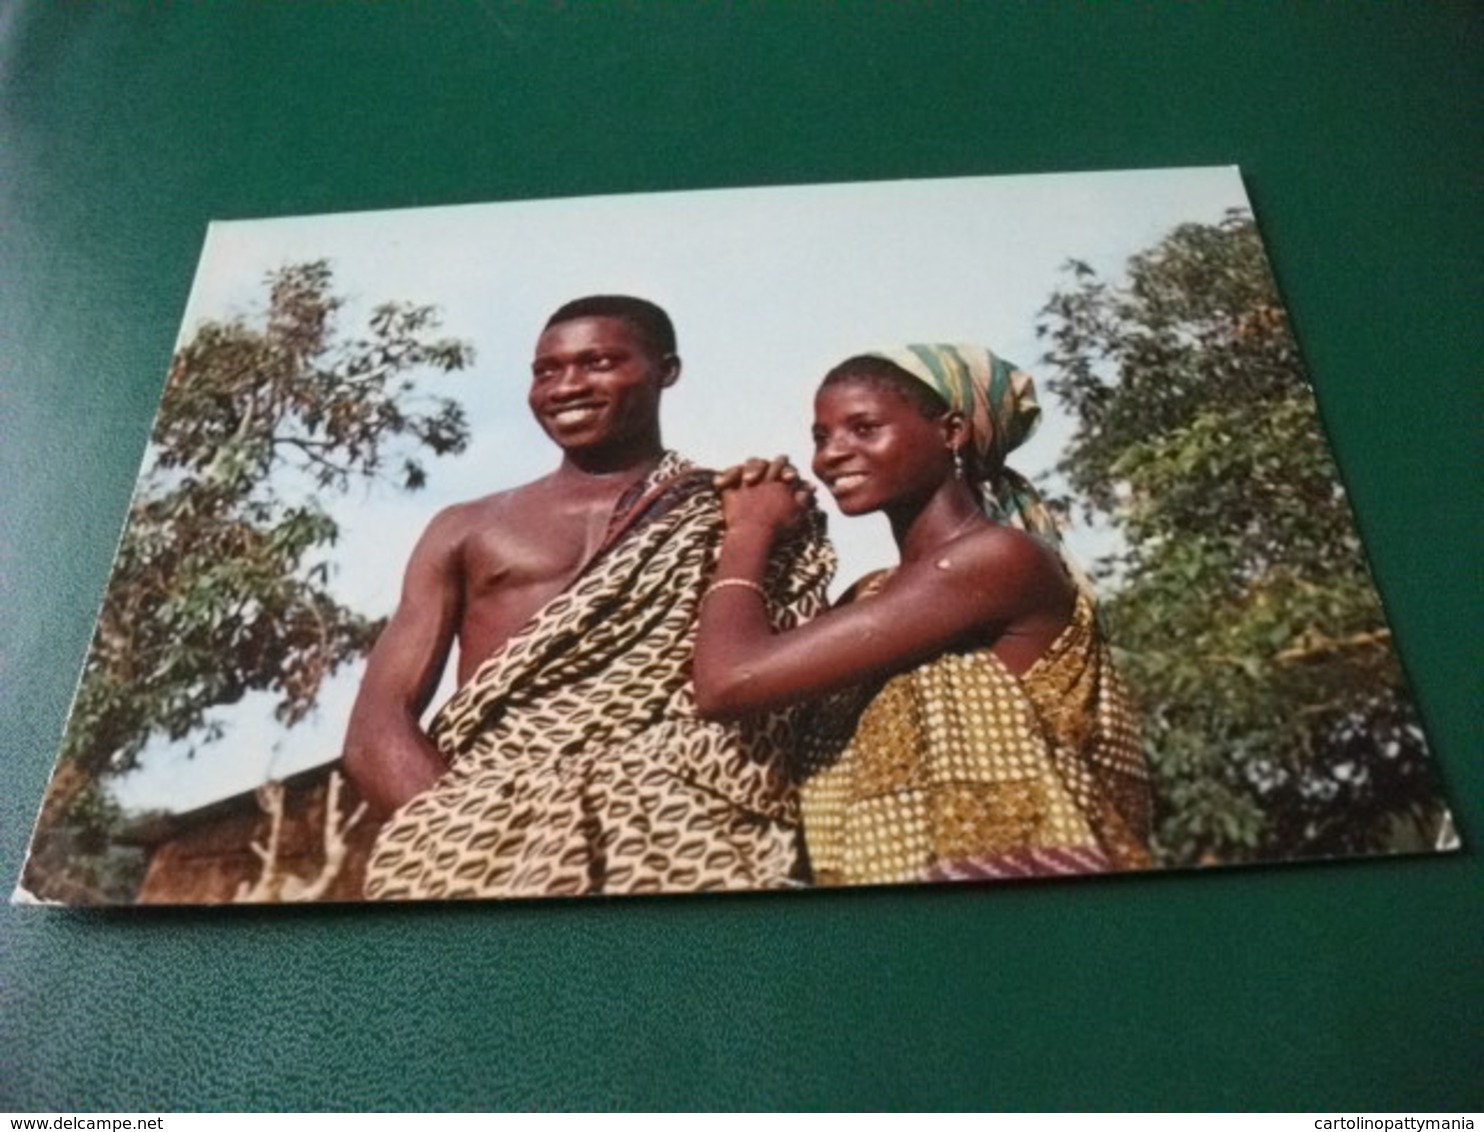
column 574, row 414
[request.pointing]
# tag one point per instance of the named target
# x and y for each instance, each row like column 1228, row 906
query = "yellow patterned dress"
column 959, row 770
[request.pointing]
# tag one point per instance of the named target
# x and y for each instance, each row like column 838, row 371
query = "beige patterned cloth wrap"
column 959, row 770
column 577, row 763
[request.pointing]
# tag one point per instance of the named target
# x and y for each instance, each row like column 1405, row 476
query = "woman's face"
column 875, row 450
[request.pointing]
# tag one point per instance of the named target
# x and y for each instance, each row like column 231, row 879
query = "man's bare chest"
column 540, row 547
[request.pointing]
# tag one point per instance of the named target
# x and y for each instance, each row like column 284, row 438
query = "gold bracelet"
column 745, row 583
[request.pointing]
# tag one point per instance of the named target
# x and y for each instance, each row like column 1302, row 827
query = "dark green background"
column 126, row 127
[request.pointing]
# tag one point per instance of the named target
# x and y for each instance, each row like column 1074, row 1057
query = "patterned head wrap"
column 999, row 403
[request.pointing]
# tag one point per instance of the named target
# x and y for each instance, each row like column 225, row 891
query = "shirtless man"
column 484, row 568
column 571, row 760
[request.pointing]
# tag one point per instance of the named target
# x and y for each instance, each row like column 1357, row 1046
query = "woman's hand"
column 766, row 495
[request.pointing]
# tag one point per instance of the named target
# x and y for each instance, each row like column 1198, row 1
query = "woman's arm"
column 977, row 588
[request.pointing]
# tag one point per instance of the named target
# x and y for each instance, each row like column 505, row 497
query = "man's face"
column 595, row 385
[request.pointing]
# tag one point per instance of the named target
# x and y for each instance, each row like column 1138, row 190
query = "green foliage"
column 81, row 856
column 1277, row 721
column 218, row 588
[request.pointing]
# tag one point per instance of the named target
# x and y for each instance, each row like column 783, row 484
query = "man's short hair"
column 647, row 320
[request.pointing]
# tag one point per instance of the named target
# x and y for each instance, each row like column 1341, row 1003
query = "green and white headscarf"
column 998, row 401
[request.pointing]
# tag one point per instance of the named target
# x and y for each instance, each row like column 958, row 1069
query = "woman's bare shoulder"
column 1003, row 571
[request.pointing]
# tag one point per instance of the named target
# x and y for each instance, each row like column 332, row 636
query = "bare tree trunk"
column 274, row 885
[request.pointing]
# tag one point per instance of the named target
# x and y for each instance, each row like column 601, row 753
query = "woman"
column 970, row 722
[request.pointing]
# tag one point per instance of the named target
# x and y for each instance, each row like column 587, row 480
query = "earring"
column 958, row 463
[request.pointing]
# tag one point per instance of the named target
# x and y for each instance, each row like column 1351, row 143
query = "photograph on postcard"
column 905, row 532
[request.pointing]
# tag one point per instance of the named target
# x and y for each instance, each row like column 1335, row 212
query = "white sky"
column 768, row 288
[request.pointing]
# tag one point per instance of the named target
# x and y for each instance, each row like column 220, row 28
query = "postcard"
column 943, row 531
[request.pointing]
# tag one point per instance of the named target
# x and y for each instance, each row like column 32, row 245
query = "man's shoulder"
column 497, row 507
column 449, row 528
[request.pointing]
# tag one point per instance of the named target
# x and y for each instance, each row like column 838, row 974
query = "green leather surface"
column 125, row 127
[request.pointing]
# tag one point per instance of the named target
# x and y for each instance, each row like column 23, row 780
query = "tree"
column 217, row 589
column 1277, row 721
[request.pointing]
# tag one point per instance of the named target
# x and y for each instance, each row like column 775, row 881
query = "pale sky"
column 768, row 288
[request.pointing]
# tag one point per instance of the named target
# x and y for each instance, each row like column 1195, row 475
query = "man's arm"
column 387, row 754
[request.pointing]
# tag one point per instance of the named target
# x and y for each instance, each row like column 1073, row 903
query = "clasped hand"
column 765, row 493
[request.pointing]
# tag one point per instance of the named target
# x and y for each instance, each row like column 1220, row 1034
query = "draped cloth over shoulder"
column 577, row 763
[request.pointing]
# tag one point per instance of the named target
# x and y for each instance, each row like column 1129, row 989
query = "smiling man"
column 571, row 759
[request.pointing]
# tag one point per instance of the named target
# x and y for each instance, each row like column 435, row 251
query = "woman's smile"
column 844, row 481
